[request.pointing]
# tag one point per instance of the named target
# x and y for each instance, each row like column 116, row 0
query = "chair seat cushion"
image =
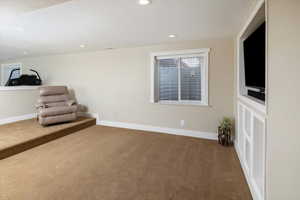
column 62, row 103
column 57, row 119
column 60, row 110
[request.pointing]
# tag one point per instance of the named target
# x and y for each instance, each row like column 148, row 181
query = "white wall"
column 116, row 84
column 283, row 138
column 17, row 103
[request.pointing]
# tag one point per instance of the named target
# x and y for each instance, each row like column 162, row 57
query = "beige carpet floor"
column 118, row 164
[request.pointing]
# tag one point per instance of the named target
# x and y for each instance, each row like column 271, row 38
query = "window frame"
column 204, row 52
column 9, row 66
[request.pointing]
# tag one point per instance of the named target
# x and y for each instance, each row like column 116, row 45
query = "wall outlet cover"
column 182, row 123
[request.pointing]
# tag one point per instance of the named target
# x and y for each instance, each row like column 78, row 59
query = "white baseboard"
column 17, row 118
column 94, row 115
column 173, row 131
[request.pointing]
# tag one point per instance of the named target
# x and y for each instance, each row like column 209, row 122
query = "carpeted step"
column 23, row 135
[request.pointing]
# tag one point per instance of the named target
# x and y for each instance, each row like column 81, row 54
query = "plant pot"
column 224, row 137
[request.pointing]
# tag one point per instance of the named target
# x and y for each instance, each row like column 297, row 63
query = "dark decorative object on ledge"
column 225, row 132
column 24, row 79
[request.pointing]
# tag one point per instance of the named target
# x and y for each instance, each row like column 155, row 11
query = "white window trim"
column 175, row 54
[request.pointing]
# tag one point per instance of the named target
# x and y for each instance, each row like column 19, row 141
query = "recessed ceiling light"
column 172, row 36
column 82, row 46
column 144, row 2
column 25, row 52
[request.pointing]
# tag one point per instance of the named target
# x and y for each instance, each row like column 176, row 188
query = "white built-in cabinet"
column 251, row 117
column 250, row 145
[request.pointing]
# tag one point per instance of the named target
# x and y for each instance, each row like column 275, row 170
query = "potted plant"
column 225, row 132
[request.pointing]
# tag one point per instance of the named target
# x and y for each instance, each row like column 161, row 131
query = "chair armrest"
column 71, row 102
column 40, row 105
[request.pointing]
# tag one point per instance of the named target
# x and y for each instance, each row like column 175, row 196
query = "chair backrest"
column 53, row 94
column 53, row 90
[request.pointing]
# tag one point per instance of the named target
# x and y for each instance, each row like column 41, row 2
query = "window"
column 6, row 71
column 180, row 77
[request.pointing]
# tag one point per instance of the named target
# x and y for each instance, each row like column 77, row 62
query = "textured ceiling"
column 42, row 27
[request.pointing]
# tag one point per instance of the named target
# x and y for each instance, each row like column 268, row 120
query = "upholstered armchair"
column 55, row 105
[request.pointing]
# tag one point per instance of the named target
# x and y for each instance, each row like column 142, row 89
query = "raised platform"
column 20, row 136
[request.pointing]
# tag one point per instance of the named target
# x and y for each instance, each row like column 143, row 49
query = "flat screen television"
column 254, row 59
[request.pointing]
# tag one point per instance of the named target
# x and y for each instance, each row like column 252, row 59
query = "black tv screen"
column 254, row 58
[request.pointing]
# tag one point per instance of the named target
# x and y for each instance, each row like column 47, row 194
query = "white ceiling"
column 41, row 27
column 18, row 6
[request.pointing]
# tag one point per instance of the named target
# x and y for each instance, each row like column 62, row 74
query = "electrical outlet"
column 182, row 122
